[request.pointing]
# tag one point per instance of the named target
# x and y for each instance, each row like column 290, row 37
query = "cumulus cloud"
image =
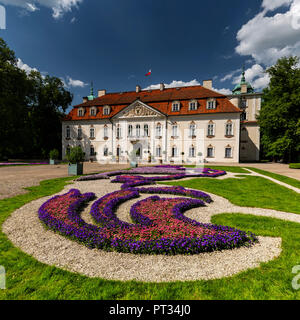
column 174, row 84
column 23, row 66
column 75, row 83
column 267, row 38
column 59, row 7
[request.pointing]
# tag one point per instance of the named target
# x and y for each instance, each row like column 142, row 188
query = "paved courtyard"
column 13, row 179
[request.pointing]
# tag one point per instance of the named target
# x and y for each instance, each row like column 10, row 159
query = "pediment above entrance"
column 139, row 109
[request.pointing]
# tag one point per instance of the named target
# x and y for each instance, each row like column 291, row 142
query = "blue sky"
column 115, row 42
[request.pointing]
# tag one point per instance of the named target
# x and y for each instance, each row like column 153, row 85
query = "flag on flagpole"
column 148, row 74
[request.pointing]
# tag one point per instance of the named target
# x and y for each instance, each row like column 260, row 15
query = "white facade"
column 154, row 137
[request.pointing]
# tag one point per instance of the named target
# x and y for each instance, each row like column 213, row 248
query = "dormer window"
column 80, row 112
column 93, row 111
column 106, row 110
column 211, row 104
column 175, row 106
column 193, row 105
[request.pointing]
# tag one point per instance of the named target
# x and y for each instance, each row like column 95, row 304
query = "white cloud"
column 256, row 75
column 59, row 7
column 268, row 38
column 174, row 84
column 274, row 4
column 230, row 75
column 31, row 7
column 223, row 91
column 75, row 83
column 23, row 66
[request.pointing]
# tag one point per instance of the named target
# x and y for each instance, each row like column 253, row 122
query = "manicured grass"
column 285, row 179
column 232, row 169
column 249, row 191
column 294, row 165
column 29, row 279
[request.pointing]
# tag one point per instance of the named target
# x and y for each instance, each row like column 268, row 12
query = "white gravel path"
column 25, row 231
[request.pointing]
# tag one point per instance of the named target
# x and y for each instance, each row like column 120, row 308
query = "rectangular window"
column 192, row 130
column 228, row 153
column 175, row 107
column 118, row 132
column 174, row 131
column 68, row 133
column 137, row 130
column 79, row 133
column 211, row 104
column 210, row 152
column 105, row 132
column 158, row 151
column 174, row 152
column 92, row 151
column 192, row 152
column 211, row 130
column 130, row 130
column 146, row 130
column 158, row 131
column 105, row 152
column 92, row 133
column 229, row 131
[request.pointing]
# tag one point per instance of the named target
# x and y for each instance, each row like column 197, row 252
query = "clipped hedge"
column 294, row 165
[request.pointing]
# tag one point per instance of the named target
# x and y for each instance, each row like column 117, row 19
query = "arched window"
column 68, row 132
column 129, row 130
column 105, row 133
column 93, row 111
column 228, row 151
column 137, row 130
column 146, row 130
column 79, row 133
column 158, row 151
column 192, row 151
column 105, row 151
column 192, row 129
column 92, row 133
column 210, row 129
column 175, row 106
column 158, row 130
column 229, row 129
column 119, row 132
column 175, row 130
column 92, row 150
column 174, row 151
column 106, row 110
column 211, row 103
column 210, row 151
column 193, row 105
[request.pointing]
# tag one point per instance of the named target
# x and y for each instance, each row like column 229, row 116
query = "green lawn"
column 285, row 179
column 29, row 279
column 249, row 191
column 233, row 169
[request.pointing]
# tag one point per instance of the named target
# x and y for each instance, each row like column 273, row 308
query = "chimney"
column 244, row 88
column 137, row 88
column 207, row 84
column 162, row 87
column 101, row 93
column 84, row 99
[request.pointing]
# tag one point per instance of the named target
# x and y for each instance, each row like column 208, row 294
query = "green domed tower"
column 91, row 96
column 238, row 87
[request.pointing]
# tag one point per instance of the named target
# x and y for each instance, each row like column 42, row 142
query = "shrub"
column 294, row 165
column 54, row 154
column 76, row 155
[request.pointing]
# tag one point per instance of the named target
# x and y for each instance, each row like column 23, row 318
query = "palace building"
column 188, row 125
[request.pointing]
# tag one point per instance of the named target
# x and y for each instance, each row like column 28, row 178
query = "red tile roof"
column 157, row 99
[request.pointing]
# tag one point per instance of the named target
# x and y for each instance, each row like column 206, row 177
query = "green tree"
column 31, row 109
column 279, row 118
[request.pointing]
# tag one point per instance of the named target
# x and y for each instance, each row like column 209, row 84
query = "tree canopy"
column 31, row 109
column 279, row 117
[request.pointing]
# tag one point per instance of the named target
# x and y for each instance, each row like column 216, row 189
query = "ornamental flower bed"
column 160, row 226
column 178, row 171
